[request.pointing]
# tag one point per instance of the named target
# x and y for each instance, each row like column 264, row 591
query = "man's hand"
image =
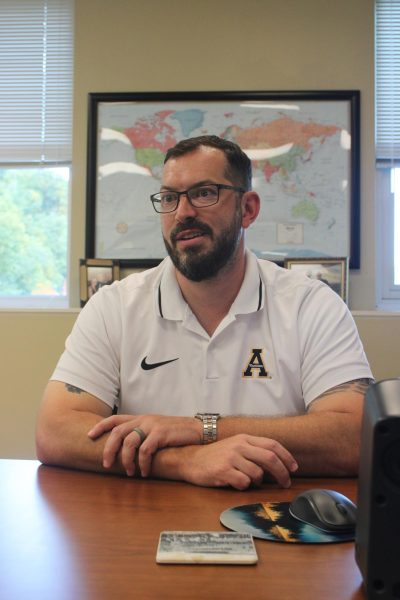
column 160, row 431
column 239, row 461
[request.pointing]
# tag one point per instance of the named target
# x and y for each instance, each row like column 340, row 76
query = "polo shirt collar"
column 170, row 303
column 252, row 292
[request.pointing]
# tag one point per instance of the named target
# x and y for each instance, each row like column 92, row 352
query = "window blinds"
column 387, row 80
column 36, row 69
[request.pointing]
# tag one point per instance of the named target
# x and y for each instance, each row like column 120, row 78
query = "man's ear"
column 250, row 208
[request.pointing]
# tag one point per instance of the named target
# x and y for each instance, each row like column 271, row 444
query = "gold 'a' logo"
column 256, row 365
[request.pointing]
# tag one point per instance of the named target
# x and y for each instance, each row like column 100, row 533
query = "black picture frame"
column 346, row 102
column 94, row 273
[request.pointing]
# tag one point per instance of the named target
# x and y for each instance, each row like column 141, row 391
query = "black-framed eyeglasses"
column 199, row 196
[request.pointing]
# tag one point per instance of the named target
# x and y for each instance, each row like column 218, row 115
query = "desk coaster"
column 206, row 547
column 272, row 521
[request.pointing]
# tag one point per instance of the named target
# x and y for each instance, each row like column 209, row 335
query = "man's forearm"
column 63, row 425
column 325, row 440
column 66, row 444
column 322, row 443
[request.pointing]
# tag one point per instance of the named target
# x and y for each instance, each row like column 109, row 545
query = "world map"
column 300, row 154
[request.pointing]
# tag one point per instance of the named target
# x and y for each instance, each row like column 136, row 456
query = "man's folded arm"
column 66, row 415
column 325, row 440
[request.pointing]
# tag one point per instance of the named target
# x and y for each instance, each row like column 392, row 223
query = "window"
column 36, row 63
column 387, row 84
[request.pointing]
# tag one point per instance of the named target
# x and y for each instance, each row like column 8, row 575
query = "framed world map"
column 304, row 148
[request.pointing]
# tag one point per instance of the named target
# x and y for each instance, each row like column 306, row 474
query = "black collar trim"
column 159, row 301
column 259, row 295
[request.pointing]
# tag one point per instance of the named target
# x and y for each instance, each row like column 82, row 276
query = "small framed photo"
column 94, row 274
column 332, row 271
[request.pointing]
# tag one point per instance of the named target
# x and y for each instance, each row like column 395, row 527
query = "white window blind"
column 388, row 80
column 36, row 69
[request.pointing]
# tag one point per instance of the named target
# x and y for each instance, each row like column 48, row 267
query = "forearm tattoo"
column 73, row 389
column 359, row 386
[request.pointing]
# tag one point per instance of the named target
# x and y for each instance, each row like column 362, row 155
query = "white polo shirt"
column 286, row 340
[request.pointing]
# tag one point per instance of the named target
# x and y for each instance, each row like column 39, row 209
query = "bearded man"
column 215, row 367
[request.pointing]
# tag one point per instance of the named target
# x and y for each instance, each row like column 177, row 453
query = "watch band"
column 209, row 426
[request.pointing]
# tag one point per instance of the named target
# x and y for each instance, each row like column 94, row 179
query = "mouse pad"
column 272, row 521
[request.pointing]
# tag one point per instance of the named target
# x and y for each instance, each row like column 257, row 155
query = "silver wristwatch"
column 209, row 426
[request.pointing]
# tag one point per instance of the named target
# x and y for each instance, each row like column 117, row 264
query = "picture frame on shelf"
column 94, row 274
column 332, row 271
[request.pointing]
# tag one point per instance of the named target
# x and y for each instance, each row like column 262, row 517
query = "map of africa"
column 300, row 153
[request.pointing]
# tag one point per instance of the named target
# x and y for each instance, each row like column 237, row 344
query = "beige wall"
column 131, row 45
column 30, row 344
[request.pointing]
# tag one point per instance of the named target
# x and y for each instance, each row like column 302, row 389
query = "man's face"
column 201, row 241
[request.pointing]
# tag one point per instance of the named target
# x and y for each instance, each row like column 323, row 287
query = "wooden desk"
column 68, row 535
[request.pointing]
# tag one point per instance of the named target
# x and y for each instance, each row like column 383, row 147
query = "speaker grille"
column 378, row 513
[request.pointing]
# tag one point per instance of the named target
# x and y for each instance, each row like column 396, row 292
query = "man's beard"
column 197, row 265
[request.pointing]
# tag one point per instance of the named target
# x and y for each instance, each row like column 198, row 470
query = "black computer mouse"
column 326, row 509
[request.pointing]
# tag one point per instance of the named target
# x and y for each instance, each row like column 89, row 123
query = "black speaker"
column 378, row 513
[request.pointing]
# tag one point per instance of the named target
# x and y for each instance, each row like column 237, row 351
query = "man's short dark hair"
column 239, row 164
